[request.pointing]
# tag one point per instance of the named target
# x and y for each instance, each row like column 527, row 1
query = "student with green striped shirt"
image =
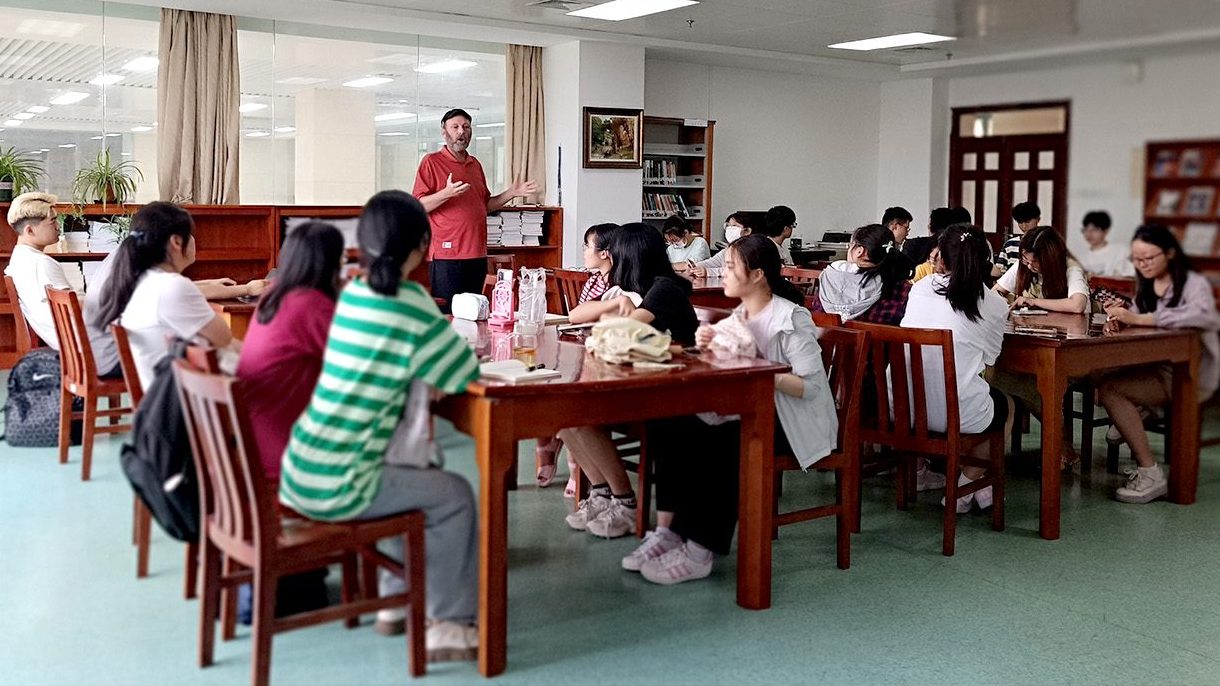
column 388, row 348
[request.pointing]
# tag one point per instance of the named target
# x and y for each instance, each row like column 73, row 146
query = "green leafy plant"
column 22, row 168
column 119, row 226
column 106, row 181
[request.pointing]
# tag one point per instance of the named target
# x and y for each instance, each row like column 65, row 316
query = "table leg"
column 1052, row 384
column 756, row 495
column 1184, row 424
column 494, row 453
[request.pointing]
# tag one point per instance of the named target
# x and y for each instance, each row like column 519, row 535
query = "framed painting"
column 614, row 138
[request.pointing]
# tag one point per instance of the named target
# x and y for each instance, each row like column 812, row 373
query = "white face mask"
column 732, row 233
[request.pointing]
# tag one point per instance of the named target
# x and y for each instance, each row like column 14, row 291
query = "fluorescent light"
column 69, row 98
column 113, row 135
column 13, row 122
column 106, row 79
column 24, row 115
column 367, row 81
column 68, row 145
column 125, row 154
column 482, row 138
column 618, row 10
column 257, row 134
column 301, row 81
column 394, row 116
column 96, row 138
column 285, row 129
column 38, row 109
column 394, row 133
column 141, row 129
column 45, row 150
column 489, row 126
column 900, row 40
column 142, row 64
column 445, row 66
column 251, row 107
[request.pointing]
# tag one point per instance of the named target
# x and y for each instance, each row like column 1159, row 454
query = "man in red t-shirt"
column 451, row 185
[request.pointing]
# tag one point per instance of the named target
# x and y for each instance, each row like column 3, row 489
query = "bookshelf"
column 1181, row 191
column 678, row 171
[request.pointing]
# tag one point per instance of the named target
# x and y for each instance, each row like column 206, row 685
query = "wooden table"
column 708, row 291
column 590, row 391
column 1083, row 349
column 236, row 313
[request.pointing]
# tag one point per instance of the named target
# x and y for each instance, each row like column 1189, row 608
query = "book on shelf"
column 1198, row 202
column 1166, row 164
column 1190, row 164
column 1199, row 238
column 660, row 172
column 1166, row 203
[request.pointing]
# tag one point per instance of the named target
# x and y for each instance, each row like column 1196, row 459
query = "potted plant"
column 19, row 172
column 118, row 227
column 105, row 181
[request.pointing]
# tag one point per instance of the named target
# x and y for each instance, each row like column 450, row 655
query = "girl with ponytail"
column 872, row 284
column 697, row 462
column 956, row 298
column 361, row 449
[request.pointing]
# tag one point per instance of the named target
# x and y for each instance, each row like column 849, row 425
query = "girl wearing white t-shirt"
column 148, row 294
column 1045, row 277
column 956, row 298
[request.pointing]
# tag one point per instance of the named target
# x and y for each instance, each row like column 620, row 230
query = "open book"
column 514, row 371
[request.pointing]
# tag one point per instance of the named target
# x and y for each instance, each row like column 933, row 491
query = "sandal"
column 1068, row 458
column 544, row 459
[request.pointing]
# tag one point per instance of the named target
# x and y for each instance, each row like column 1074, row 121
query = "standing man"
column 452, row 188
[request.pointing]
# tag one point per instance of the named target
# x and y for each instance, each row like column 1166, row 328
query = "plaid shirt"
column 885, row 311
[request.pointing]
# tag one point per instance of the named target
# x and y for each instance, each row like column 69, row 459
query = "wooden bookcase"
column 678, row 171
column 1182, row 191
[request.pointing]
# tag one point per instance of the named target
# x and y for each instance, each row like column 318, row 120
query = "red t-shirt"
column 279, row 364
column 459, row 227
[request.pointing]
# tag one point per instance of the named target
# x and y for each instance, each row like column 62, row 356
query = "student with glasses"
column 1046, row 277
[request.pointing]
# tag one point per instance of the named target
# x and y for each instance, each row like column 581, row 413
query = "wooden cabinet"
column 678, row 171
column 1182, row 191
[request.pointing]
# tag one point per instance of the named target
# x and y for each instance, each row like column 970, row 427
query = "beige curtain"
column 525, row 129
column 198, row 93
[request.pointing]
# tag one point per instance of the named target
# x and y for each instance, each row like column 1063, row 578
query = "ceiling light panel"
column 251, row 107
column 367, row 82
column 142, row 64
column 445, row 66
column 69, row 98
column 38, row 109
column 901, row 40
column 618, row 10
column 106, row 79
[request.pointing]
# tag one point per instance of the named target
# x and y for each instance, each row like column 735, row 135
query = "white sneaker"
column 587, row 511
column 928, row 480
column 655, row 545
column 614, row 521
column 448, row 641
column 965, row 501
column 675, row 567
column 1112, row 434
column 391, row 621
column 1144, row 484
column 984, row 498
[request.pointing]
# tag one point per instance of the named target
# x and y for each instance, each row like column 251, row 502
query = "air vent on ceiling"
column 916, row 48
column 561, row 5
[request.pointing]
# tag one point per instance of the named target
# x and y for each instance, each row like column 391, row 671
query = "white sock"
column 697, row 552
column 665, row 532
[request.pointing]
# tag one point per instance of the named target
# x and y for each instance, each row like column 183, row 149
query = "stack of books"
column 494, row 230
column 510, row 229
column 531, row 227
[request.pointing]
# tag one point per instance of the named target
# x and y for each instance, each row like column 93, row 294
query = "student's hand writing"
column 704, row 335
column 455, row 188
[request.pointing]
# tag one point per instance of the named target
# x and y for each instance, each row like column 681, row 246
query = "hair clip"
column 964, row 237
column 889, row 246
column 136, row 234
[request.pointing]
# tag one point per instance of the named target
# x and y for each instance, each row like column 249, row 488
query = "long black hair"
column 963, row 249
column 1045, row 244
column 1179, row 266
column 889, row 264
column 392, row 225
column 638, row 258
column 311, row 258
column 757, row 251
column 145, row 247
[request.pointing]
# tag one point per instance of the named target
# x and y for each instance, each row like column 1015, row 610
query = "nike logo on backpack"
column 40, row 377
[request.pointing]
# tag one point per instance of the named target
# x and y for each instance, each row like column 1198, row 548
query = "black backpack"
column 158, row 461
column 31, row 411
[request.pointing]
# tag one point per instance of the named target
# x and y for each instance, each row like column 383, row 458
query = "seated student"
column 920, row 247
column 696, row 463
column 281, row 356
column 898, row 221
column 1169, row 294
column 956, row 298
column 736, row 225
column 597, row 263
column 644, row 287
column 1045, row 277
column 927, row 267
column 871, row 284
column 684, row 246
column 33, row 218
column 1102, row 257
column 147, row 293
column 389, row 341
column 1028, row 216
column 779, row 223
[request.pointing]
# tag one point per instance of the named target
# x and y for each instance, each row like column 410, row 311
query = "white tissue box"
column 471, row 306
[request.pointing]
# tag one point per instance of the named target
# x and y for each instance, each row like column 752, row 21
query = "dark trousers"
column 447, row 278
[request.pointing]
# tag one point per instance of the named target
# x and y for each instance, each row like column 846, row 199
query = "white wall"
column 1115, row 111
column 808, row 142
column 912, row 167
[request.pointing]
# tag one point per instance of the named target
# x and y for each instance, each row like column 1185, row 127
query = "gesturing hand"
column 455, row 188
column 520, row 188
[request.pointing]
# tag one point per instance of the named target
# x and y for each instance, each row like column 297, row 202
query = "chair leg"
column 858, row 484
column 579, row 477
column 512, row 473
column 1112, row 456
column 997, row 487
column 264, row 621
column 643, row 512
column 368, row 578
column 350, row 588
column 1088, row 426
column 191, row 571
column 413, row 553
column 65, row 424
column 86, row 444
column 778, row 476
column 209, row 604
column 843, row 516
column 143, row 523
column 950, row 515
column 228, row 604
column 112, row 403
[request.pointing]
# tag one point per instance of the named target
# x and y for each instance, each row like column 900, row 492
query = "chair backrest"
column 801, row 277
column 844, row 356
column 900, row 351
column 232, row 483
column 826, row 319
column 75, row 353
column 498, row 262
column 1121, row 285
column 203, row 358
column 26, row 339
column 489, row 283
column 711, row 315
column 571, row 282
column 127, row 362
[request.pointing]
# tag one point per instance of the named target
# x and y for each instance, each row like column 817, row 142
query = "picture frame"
column 1198, row 202
column 1190, row 164
column 613, row 138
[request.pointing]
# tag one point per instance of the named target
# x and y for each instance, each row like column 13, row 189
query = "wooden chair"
column 242, row 522
column 711, row 315
column 570, row 283
column 25, row 338
column 489, row 283
column 498, row 262
column 78, row 374
column 908, row 435
column 843, row 355
column 801, row 276
column 824, row 320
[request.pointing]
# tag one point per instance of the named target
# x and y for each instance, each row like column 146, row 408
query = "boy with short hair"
column 1028, row 216
column 898, row 221
column 1102, row 257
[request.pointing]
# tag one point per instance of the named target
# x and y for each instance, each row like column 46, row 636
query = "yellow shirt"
column 924, row 269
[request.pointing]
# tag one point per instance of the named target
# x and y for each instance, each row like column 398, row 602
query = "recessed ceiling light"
column 13, row 122
column 482, row 138
column 112, row 135
column 445, row 66
column 394, row 133
column 394, row 116
column 125, row 154
column 44, row 27
column 251, row 107
column 106, row 79
column 301, row 81
column 96, row 138
column 142, row 64
column 489, row 126
column 900, row 40
column 399, row 58
column 367, row 81
column 69, row 98
column 45, row 150
column 618, row 10
column 24, row 115
column 285, row 129
column 141, row 129
column 68, row 145
column 257, row 134
column 38, row 109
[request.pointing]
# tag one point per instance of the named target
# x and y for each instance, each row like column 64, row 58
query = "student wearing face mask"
column 736, row 225
column 682, row 244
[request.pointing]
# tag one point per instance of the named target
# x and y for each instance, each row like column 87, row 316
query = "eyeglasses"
column 1146, row 260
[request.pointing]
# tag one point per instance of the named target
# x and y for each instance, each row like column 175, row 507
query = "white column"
column 913, row 161
column 336, row 155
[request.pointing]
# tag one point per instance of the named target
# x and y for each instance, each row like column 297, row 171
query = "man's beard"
column 457, row 144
